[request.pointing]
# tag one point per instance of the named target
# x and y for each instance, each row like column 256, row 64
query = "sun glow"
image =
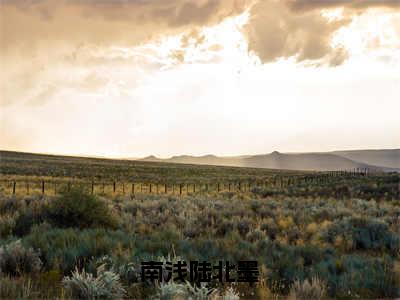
column 203, row 91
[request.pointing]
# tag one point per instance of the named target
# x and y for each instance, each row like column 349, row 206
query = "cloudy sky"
column 130, row 78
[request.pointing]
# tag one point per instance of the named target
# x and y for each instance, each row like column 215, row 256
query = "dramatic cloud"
column 132, row 66
column 305, row 29
column 107, row 22
column 354, row 4
column 275, row 31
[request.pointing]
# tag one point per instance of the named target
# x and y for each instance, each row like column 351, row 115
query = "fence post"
column 240, row 187
column 27, row 187
column 180, row 189
column 133, row 188
column 218, row 187
column 43, row 187
column 165, row 188
column 194, row 188
column 114, row 186
column 123, row 188
column 92, row 187
column 14, row 184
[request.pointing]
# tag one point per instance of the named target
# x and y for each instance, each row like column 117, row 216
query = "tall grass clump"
column 15, row 288
column 308, row 289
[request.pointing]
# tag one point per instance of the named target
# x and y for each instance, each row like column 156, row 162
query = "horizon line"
column 190, row 155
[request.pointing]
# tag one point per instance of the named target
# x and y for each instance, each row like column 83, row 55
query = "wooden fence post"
column 133, row 188
column 194, row 188
column 218, row 187
column 14, row 185
column 114, row 187
column 123, row 188
column 165, row 188
column 92, row 187
column 43, row 187
column 180, row 189
column 27, row 187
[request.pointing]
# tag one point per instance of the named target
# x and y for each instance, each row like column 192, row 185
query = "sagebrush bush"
column 172, row 291
column 76, row 208
column 15, row 260
column 292, row 238
column 230, row 294
column 202, row 292
column 83, row 285
column 7, row 225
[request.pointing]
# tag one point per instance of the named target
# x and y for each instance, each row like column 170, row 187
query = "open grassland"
column 50, row 166
column 326, row 236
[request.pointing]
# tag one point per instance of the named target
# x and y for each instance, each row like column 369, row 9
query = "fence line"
column 54, row 186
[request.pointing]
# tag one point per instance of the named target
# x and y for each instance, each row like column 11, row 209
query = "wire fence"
column 55, row 186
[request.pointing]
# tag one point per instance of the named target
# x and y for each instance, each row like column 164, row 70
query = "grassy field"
column 314, row 235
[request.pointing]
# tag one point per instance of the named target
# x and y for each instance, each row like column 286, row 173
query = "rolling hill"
column 382, row 160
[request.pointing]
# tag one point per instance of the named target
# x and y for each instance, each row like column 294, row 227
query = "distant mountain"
column 328, row 161
column 149, row 158
column 303, row 161
column 386, row 158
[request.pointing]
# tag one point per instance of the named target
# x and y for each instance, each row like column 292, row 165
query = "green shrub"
column 79, row 209
column 63, row 249
column 15, row 260
column 363, row 234
column 26, row 220
column 367, row 278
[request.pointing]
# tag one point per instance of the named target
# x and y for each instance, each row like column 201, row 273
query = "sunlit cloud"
column 249, row 79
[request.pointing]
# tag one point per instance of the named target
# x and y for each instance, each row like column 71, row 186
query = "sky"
column 131, row 78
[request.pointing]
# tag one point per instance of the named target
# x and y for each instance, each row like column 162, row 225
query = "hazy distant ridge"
column 386, row 158
column 383, row 160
